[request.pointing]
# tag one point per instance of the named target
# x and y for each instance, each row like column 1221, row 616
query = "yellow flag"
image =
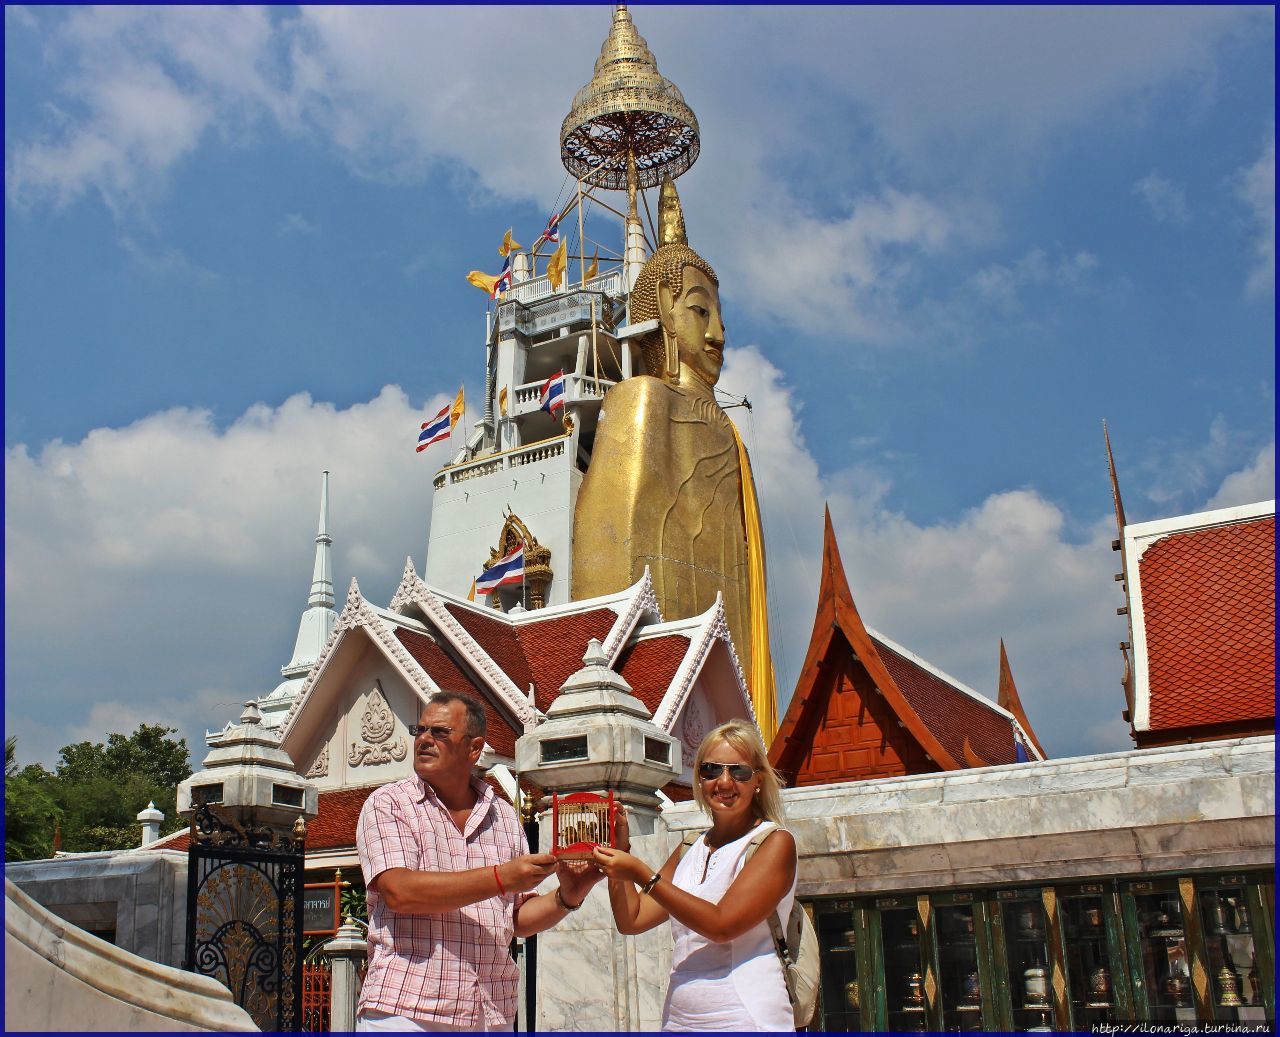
column 502, row 402
column 471, row 594
column 594, row 268
column 508, row 244
column 555, row 268
column 455, row 412
column 483, row 281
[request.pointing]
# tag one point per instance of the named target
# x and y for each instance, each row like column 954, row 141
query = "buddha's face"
column 694, row 319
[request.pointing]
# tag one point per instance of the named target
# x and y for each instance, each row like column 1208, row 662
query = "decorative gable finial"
column 409, row 584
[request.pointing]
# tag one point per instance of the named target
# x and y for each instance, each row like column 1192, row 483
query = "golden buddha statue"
column 669, row 485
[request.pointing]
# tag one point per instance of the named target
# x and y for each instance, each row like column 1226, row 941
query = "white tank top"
column 724, row 986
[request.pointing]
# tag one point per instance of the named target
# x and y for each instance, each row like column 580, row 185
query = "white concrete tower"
column 520, row 460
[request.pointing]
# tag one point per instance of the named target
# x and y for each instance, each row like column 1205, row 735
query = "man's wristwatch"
column 564, row 903
column 653, row 881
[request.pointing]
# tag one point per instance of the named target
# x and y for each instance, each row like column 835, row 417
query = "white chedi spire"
column 322, row 573
column 319, row 620
column 315, row 627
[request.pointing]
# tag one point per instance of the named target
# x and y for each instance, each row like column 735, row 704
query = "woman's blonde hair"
column 745, row 739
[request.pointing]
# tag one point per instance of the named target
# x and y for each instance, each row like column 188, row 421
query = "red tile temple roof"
column 554, row 648
column 950, row 714
column 450, row 677
column 333, row 827
column 649, row 666
column 498, row 638
column 1209, row 609
column 543, row 652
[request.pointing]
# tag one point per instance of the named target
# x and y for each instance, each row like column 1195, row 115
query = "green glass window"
column 841, row 1001
column 1235, row 980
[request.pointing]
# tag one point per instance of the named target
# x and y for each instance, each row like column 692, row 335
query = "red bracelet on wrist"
column 501, row 891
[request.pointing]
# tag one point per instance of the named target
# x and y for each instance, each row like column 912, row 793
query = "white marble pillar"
column 592, row 978
column 346, row 951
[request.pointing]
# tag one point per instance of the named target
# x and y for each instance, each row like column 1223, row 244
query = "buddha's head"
column 678, row 288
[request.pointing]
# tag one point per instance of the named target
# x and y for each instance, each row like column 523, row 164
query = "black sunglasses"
column 739, row 772
column 437, row 732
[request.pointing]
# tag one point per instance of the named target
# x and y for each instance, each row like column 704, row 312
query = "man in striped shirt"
column 449, row 879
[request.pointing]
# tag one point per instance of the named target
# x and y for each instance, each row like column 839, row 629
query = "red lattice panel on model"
column 580, row 822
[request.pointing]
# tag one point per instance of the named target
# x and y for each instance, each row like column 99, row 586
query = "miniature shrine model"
column 959, row 879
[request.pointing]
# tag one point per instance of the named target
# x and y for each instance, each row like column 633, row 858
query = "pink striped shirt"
column 454, row 967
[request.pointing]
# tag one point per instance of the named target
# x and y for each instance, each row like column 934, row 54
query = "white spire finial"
column 322, row 575
column 319, row 619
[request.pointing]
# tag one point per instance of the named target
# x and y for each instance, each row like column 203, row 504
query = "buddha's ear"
column 665, row 302
column 670, row 345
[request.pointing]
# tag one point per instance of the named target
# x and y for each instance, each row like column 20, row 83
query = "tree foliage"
column 31, row 814
column 96, row 793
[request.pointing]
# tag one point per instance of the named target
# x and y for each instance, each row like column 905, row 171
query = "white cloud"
column 142, row 86
column 156, row 572
column 850, row 272
column 942, row 84
column 1255, row 482
column 1166, row 201
column 296, row 223
column 161, row 568
column 1001, row 284
column 1178, row 475
column 142, row 124
column 1256, row 187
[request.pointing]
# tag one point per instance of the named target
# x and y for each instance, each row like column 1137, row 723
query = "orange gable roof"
column 837, row 631
column 334, row 825
column 498, row 638
column 1007, row 698
column 854, row 685
column 955, row 718
column 1209, row 610
column 554, row 648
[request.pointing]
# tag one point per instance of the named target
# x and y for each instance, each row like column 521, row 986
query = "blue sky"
column 951, row 241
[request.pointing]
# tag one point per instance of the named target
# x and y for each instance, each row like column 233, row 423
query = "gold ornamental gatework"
column 537, row 558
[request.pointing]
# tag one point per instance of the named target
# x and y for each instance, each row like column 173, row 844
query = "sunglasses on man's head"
column 739, row 772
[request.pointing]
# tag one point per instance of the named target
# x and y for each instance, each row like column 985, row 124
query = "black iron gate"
column 244, row 915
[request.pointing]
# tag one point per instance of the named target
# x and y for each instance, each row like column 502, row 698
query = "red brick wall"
column 859, row 735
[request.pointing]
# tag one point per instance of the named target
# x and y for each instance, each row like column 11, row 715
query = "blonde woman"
column 725, row 974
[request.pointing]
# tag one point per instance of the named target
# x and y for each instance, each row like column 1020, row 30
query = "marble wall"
column 142, row 893
column 1172, row 809
column 59, row 978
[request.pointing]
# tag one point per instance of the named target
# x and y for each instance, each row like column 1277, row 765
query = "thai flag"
column 508, row 569
column 553, row 393
column 552, row 233
column 503, row 283
column 436, row 429
column 1020, row 753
